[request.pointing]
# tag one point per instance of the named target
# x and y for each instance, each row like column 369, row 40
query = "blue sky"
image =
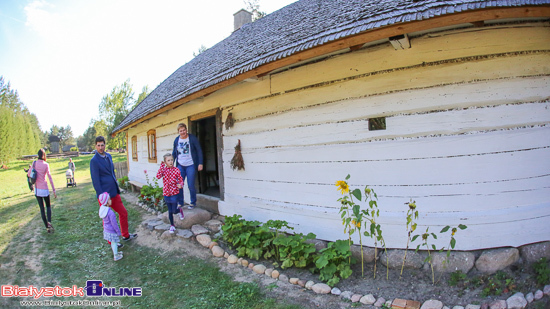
column 63, row 56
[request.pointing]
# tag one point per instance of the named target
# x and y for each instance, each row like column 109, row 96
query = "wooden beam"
column 360, row 39
column 206, row 114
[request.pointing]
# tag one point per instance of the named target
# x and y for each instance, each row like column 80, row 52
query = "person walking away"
column 71, row 165
column 187, row 154
column 41, row 190
column 171, row 183
column 111, row 232
column 102, row 170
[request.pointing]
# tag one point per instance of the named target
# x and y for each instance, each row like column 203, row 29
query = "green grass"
column 76, row 252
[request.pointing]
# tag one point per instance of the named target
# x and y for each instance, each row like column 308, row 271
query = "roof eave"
column 355, row 40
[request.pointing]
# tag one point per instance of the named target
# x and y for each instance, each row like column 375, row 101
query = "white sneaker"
column 172, row 229
column 182, row 216
column 118, row 256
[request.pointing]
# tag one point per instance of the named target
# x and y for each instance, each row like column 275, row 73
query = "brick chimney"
column 241, row 18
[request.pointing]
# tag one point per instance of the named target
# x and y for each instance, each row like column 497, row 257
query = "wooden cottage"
column 442, row 102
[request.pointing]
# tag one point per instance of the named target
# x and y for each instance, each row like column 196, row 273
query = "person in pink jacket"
column 41, row 189
column 111, row 231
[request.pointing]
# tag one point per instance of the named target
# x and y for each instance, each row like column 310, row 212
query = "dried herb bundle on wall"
column 237, row 161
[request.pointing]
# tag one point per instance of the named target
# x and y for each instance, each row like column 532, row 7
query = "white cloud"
column 74, row 52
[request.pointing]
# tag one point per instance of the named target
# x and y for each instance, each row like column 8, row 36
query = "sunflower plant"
column 374, row 229
column 412, row 214
column 351, row 214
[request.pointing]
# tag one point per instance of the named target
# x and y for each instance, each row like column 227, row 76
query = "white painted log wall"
column 469, row 141
column 468, row 138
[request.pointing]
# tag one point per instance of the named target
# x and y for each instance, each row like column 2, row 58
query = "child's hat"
column 103, row 199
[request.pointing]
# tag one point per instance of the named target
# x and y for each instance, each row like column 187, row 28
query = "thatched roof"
column 300, row 26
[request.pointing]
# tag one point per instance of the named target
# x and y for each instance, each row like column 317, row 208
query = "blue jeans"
column 189, row 172
column 172, row 207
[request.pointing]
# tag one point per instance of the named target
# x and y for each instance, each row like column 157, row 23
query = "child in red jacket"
column 172, row 182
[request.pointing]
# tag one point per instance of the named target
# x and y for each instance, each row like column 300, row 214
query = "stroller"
column 70, row 178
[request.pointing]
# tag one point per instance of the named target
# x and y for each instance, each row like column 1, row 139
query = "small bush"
column 542, row 271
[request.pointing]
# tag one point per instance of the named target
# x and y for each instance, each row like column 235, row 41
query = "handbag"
column 33, row 174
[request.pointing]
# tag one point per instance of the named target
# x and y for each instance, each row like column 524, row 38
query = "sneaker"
column 118, row 256
column 172, row 229
column 182, row 216
column 191, row 206
column 50, row 228
column 132, row 236
column 120, row 245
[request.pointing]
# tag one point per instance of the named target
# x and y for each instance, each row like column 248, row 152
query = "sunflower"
column 342, row 186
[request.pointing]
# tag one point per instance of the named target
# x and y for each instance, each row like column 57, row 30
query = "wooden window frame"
column 134, row 148
column 152, row 145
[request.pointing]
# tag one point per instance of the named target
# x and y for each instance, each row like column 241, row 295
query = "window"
column 134, row 148
column 377, row 123
column 152, row 145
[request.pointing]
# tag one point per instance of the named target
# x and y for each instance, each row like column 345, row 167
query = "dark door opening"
column 208, row 182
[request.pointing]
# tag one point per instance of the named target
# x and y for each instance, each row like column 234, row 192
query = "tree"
column 254, row 7
column 200, row 50
column 19, row 128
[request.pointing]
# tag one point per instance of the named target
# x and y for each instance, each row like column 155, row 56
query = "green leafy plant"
column 333, row 262
column 498, row 284
column 412, row 214
column 151, row 194
column 456, row 278
column 295, row 251
column 345, row 213
column 452, row 242
column 425, row 243
column 246, row 237
column 543, row 272
column 374, row 230
column 124, row 182
column 352, row 216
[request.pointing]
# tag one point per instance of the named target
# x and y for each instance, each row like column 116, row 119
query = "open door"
column 207, row 128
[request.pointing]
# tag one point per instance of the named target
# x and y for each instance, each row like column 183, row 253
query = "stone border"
column 201, row 235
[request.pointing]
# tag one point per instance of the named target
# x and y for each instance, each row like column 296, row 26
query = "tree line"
column 21, row 134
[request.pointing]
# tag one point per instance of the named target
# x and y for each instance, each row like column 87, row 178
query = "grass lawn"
column 76, row 252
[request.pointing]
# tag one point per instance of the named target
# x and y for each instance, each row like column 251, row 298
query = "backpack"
column 33, row 174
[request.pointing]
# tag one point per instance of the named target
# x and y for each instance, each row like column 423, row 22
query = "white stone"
column 217, row 251
column 213, row 225
column 381, row 301
column 335, row 291
column 283, row 278
column 516, row 301
column 368, row 299
column 309, row 284
column 346, row 295
column 498, row 304
column 321, row 288
column 203, row 239
column 458, row 307
column 268, row 272
column 184, row 234
column 244, row 263
column 546, row 290
column 473, row 306
column 538, row 294
column 275, row 274
column 167, row 235
column 226, row 255
column 259, row 269
column 432, row 304
column 356, row 297
column 293, row 280
column 529, row 297
column 493, row 260
column 232, row 259
column 198, row 229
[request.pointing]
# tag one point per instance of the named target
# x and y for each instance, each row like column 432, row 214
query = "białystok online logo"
column 93, row 288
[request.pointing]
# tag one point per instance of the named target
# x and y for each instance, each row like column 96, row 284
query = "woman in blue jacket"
column 187, row 155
